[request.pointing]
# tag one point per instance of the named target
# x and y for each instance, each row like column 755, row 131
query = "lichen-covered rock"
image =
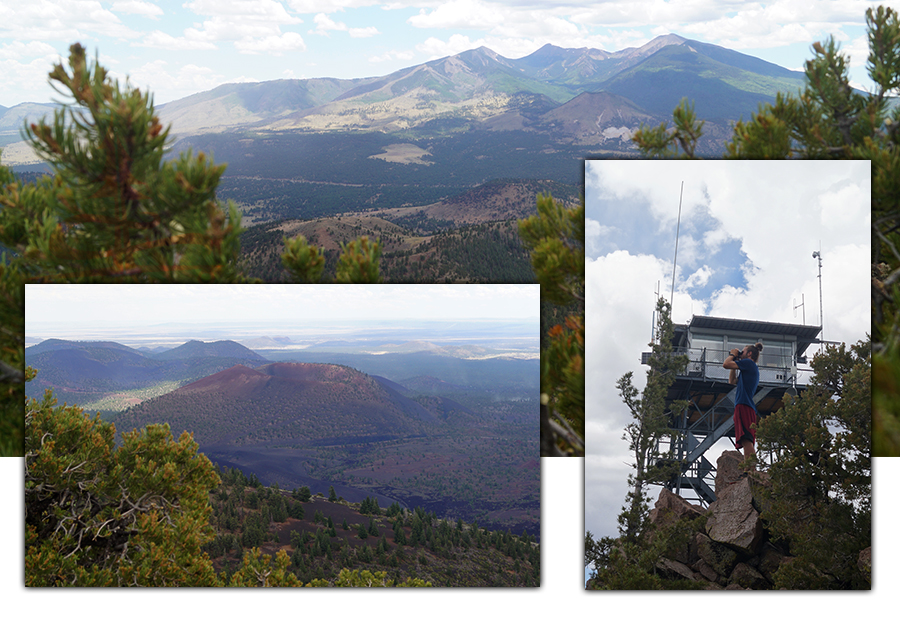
column 734, row 521
column 728, row 470
column 670, row 508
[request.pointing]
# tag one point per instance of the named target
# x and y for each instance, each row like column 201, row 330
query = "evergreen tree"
column 820, row 498
column 651, row 420
column 358, row 263
column 555, row 239
column 101, row 515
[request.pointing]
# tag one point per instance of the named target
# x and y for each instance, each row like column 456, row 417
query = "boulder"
column 720, row 557
column 670, row 508
column 770, row 559
column 675, row 570
column 864, row 563
column 728, row 470
column 748, row 577
column 705, row 569
column 734, row 521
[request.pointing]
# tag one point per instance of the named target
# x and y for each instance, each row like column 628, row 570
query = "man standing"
column 745, row 416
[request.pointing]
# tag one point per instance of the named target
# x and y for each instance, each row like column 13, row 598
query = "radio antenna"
column 803, row 305
column 818, row 255
column 675, row 261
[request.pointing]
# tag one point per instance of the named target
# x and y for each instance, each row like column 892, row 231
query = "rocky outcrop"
column 726, row 546
column 731, row 550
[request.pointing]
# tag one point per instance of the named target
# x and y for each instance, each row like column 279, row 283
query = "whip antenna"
column 818, row 255
column 675, row 261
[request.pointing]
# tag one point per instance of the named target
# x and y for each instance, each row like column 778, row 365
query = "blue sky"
column 748, row 231
column 183, row 47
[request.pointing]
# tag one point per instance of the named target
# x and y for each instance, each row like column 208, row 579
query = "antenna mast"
column 818, row 255
column 675, row 261
column 653, row 326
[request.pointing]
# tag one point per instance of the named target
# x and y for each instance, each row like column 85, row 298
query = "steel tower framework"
column 706, row 340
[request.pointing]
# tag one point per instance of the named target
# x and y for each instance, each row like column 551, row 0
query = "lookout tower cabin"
column 707, row 340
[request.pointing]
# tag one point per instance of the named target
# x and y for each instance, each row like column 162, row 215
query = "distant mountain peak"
column 221, row 348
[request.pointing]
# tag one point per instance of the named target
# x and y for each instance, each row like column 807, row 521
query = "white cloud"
column 594, row 234
column 363, row 33
column 63, row 20
column 435, row 48
column 328, row 6
column 168, row 83
column 469, row 14
column 845, row 206
column 136, row 7
column 324, row 24
column 165, row 41
column 17, row 50
column 273, row 44
column 23, row 72
column 253, row 26
column 698, row 279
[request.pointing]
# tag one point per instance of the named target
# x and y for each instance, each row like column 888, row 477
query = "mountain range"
column 584, row 96
column 109, row 376
column 577, row 95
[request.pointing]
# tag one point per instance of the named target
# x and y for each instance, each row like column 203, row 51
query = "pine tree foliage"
column 304, row 262
column 101, row 515
column 820, row 499
column 680, row 141
column 12, row 350
column 555, row 238
column 651, row 421
column 358, row 262
column 623, row 564
column 115, row 209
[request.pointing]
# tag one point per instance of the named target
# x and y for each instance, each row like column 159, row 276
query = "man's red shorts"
column 744, row 416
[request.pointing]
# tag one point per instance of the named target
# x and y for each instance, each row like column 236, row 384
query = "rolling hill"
column 472, row 455
column 301, row 402
column 109, row 376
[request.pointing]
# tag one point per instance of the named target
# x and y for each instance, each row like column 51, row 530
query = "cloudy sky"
column 110, row 306
column 182, row 47
column 748, row 231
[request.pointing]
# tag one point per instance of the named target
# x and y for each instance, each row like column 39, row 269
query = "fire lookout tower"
column 706, row 341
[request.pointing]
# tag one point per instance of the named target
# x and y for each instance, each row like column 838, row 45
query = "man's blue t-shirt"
column 747, row 381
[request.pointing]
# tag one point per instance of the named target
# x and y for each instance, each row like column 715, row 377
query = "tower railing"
column 706, row 364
